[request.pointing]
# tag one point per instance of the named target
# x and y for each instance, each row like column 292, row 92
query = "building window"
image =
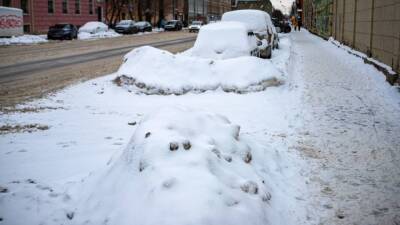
column 65, row 6
column 24, row 6
column 90, row 7
column 50, row 6
column 7, row 3
column 27, row 28
column 77, row 7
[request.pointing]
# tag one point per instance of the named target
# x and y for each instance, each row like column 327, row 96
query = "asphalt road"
column 27, row 68
column 29, row 72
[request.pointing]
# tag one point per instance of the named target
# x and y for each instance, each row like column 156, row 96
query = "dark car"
column 126, row 27
column 281, row 25
column 173, row 25
column 143, row 26
column 62, row 31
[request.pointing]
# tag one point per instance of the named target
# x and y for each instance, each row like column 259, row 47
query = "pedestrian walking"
column 294, row 22
column 298, row 23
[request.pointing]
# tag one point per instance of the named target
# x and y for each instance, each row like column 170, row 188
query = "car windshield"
column 60, row 26
column 171, row 22
column 196, row 23
column 142, row 23
column 124, row 22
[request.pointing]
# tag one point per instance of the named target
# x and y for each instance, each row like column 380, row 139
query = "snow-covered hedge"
column 154, row 71
column 181, row 166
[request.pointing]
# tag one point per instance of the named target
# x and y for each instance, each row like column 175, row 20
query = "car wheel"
column 266, row 53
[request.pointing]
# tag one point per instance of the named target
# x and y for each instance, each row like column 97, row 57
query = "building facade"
column 42, row 14
column 264, row 5
column 184, row 10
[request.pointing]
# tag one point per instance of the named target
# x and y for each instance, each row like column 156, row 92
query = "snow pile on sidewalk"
column 95, row 30
column 154, row 71
column 388, row 68
column 23, row 40
column 181, row 166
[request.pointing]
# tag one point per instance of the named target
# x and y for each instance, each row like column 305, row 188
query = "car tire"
column 266, row 53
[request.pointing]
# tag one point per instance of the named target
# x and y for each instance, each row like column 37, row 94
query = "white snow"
column 255, row 20
column 102, row 34
column 324, row 143
column 24, row 40
column 223, row 40
column 93, row 27
column 181, row 166
column 361, row 55
column 155, row 71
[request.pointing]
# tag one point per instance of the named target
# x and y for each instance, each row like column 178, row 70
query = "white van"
column 11, row 22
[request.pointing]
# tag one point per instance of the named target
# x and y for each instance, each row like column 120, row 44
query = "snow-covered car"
column 126, row 27
column 259, row 23
column 195, row 26
column 224, row 40
column 93, row 27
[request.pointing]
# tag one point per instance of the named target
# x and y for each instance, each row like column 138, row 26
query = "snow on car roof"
column 255, row 20
column 222, row 40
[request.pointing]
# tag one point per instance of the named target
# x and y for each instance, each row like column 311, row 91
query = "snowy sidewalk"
column 351, row 135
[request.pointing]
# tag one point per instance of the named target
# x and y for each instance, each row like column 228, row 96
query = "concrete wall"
column 371, row 26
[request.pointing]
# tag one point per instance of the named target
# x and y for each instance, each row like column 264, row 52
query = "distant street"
column 32, row 71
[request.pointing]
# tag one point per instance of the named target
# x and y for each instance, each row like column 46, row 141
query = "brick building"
column 184, row 10
column 264, row 5
column 44, row 13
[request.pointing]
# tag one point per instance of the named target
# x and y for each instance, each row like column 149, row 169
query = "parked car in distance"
column 143, row 26
column 62, row 31
column 258, row 23
column 195, row 26
column 126, row 27
column 281, row 25
column 173, row 25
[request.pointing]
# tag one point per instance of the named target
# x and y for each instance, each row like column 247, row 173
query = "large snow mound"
column 23, row 40
column 154, row 71
column 181, row 166
column 223, row 40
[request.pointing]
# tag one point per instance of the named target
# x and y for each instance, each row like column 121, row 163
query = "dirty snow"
column 179, row 74
column 24, row 40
